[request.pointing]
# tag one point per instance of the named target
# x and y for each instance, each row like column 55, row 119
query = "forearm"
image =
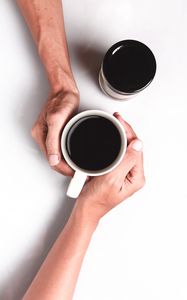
column 46, row 23
column 57, row 276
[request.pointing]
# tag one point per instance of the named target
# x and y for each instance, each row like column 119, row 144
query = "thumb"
column 53, row 144
column 132, row 156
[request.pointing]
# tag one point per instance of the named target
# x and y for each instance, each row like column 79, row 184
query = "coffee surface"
column 129, row 66
column 93, row 143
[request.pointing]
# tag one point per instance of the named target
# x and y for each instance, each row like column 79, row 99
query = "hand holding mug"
column 101, row 194
column 48, row 128
column 93, row 143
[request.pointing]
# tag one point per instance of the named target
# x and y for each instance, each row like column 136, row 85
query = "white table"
column 139, row 250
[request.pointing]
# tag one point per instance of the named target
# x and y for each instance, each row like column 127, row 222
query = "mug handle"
column 76, row 184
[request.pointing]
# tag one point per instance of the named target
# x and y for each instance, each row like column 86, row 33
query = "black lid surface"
column 129, row 66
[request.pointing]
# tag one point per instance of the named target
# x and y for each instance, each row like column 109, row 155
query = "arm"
column 57, row 276
column 45, row 21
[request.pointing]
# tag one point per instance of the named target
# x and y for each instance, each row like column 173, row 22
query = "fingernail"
column 137, row 145
column 53, row 159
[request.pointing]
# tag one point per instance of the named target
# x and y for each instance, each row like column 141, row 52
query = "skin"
column 57, row 277
column 46, row 23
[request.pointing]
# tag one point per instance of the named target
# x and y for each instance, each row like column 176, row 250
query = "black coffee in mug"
column 93, row 143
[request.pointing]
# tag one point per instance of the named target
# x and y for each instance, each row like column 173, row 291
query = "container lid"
column 129, row 66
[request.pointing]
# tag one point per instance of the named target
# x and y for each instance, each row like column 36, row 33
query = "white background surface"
column 139, row 250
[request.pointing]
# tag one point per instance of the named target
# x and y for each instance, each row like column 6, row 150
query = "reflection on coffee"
column 93, row 143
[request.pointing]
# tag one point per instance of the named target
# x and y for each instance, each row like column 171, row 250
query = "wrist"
column 55, row 57
column 87, row 208
column 63, row 81
column 85, row 216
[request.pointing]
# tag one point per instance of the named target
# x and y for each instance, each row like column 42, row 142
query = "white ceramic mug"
column 80, row 176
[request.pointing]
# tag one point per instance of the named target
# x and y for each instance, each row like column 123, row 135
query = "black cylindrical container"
column 128, row 67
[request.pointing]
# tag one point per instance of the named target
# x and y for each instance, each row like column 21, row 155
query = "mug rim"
column 118, row 125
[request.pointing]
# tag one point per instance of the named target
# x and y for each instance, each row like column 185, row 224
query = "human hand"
column 101, row 194
column 48, row 128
